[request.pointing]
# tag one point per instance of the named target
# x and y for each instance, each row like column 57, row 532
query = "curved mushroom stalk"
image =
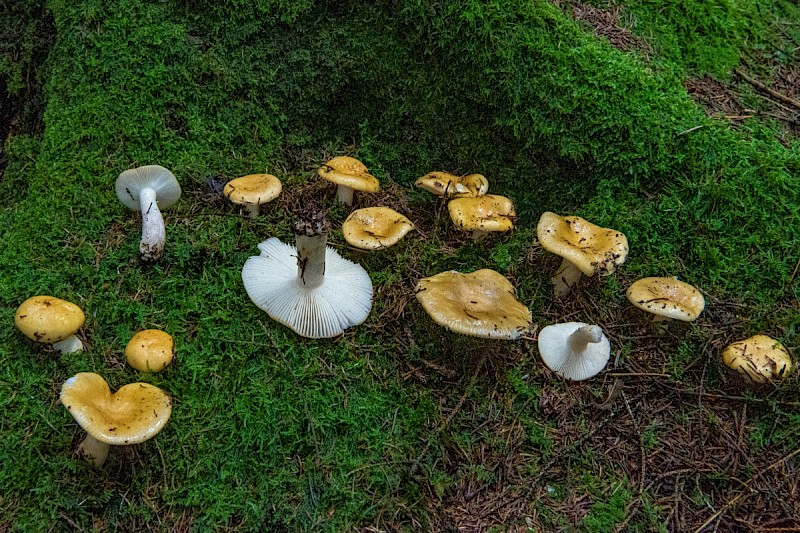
column 584, row 336
column 93, row 451
column 154, row 233
column 69, row 345
column 566, row 277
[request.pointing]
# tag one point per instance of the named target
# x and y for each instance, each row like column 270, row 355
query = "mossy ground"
column 398, row 425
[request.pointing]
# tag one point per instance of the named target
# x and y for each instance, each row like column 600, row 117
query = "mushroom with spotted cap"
column 574, row 350
column 481, row 304
column 51, row 320
column 483, row 214
column 149, row 189
column 372, row 228
column 666, row 298
column 350, row 175
column 133, row 414
column 253, row 191
column 585, row 249
column 449, row 185
column 760, row 357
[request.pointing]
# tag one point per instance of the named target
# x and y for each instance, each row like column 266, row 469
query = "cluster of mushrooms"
column 311, row 289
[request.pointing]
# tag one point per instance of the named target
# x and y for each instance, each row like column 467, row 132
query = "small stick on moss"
column 782, row 97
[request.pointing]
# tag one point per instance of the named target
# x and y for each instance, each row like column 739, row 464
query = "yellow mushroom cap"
column 150, row 350
column 371, row 228
column 349, row 172
column 590, row 248
column 481, row 304
column 490, row 212
column 133, row 414
column 253, row 189
column 452, row 186
column 48, row 319
column 759, row 357
column 667, row 297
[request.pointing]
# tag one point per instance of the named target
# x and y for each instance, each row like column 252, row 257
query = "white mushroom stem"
column 153, row 232
column 94, row 451
column 252, row 209
column 565, row 278
column 69, row 345
column 311, row 238
column 583, row 336
column 345, row 194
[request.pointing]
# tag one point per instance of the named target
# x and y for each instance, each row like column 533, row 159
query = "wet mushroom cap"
column 349, row 172
column 761, row 358
column 253, row 189
column 371, row 228
column 452, row 186
column 481, row 304
column 48, row 319
column 133, row 414
column 150, row 350
column 490, row 212
column 590, row 248
column 667, row 297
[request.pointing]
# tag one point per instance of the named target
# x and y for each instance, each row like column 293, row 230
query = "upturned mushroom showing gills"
column 482, row 215
column 253, row 191
column 350, row 175
column 149, row 189
column 760, row 358
column 372, row 228
column 666, row 298
column 585, row 249
column 309, row 288
column 449, row 185
column 574, row 350
column 133, row 414
column 481, row 304
column 51, row 320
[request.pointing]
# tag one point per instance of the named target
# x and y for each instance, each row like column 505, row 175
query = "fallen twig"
column 780, row 96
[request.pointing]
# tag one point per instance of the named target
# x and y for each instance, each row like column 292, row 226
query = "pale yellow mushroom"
column 760, row 358
column 253, row 191
column 51, row 320
column 666, row 298
column 349, row 174
column 449, row 185
column 482, row 214
column 150, row 350
column 372, row 228
column 585, row 249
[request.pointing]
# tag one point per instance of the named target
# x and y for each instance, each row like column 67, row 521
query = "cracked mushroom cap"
column 574, row 350
column 150, row 350
column 255, row 189
column 133, row 414
column 667, row 297
column 452, row 186
column 48, row 319
column 131, row 182
column 481, row 304
column 490, row 212
column 349, row 172
column 590, row 248
column 372, row 228
column 761, row 358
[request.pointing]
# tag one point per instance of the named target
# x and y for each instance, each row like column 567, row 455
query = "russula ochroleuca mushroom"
column 372, row 228
column 450, row 186
column 149, row 189
column 482, row 215
column 133, row 414
column 51, row 320
column 150, row 350
column 481, row 304
column 350, row 175
column 308, row 287
column 585, row 249
column 760, row 358
column 253, row 191
column 574, row 350
column 666, row 298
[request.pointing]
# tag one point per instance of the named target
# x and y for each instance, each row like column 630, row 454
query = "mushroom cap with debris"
column 490, row 212
column 150, row 350
column 590, row 248
column 371, row 228
column 481, row 304
column 48, row 319
column 133, row 414
column 451, row 186
column 255, row 189
column 349, row 172
column 760, row 357
column 667, row 297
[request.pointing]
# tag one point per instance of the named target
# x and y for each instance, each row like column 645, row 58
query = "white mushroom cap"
column 344, row 298
column 574, row 350
column 131, row 182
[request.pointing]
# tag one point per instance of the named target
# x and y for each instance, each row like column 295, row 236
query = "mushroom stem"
column 565, row 278
column 94, row 451
column 69, row 345
column 253, row 210
column 153, row 232
column 311, row 236
column 583, row 336
column 345, row 194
